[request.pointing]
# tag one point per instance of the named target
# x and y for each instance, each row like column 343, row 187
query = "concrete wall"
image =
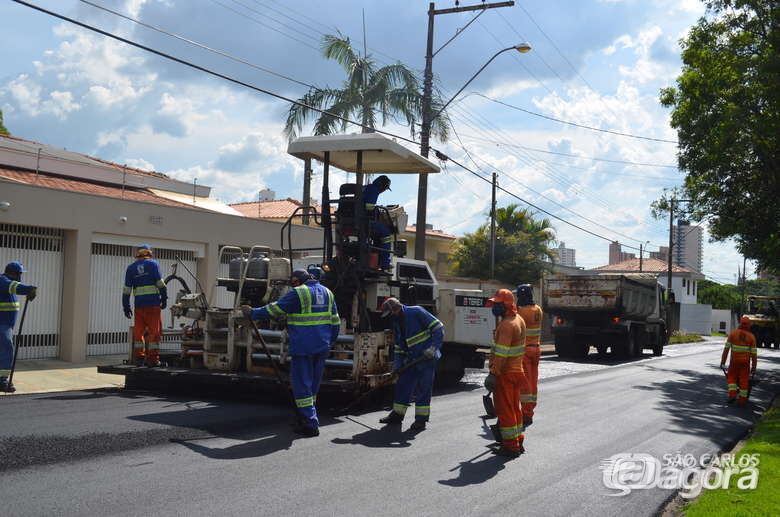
column 695, row 318
column 723, row 320
column 83, row 215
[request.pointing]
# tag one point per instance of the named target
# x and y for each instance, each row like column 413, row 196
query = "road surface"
column 84, row 453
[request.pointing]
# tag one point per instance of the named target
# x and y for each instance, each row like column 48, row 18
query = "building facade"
column 566, row 256
column 616, row 254
column 688, row 245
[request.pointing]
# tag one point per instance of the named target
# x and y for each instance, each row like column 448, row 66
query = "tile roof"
column 277, row 209
column 650, row 265
column 54, row 151
column 86, row 187
column 432, row 233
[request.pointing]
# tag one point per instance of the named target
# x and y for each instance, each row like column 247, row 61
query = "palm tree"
column 390, row 93
column 522, row 247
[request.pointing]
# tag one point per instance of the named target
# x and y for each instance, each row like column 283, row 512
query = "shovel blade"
column 487, row 402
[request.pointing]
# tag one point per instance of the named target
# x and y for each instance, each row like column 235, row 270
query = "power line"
column 624, row 162
column 292, row 101
column 572, row 123
column 199, row 45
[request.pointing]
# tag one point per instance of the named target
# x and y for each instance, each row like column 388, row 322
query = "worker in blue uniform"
column 313, row 326
column 144, row 280
column 381, row 233
column 417, row 334
column 10, row 286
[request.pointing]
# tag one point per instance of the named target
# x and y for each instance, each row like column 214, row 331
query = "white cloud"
column 139, row 163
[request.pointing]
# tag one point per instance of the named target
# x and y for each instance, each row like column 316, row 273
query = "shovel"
column 487, row 402
column 16, row 342
column 390, row 376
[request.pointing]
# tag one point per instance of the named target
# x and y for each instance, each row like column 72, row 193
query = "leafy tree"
column 726, row 109
column 3, row 130
column 718, row 295
column 391, row 93
column 522, row 246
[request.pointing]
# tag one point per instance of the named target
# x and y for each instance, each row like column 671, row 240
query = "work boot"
column 307, row 431
column 528, row 420
column 7, row 386
column 392, row 418
column 417, row 425
column 508, row 453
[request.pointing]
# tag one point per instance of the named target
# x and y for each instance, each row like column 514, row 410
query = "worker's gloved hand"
column 394, row 375
column 163, row 303
column 430, row 352
column 246, row 310
column 490, row 382
column 128, row 313
column 32, row 294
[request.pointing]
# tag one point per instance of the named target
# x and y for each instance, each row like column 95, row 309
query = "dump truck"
column 620, row 313
column 764, row 320
column 220, row 346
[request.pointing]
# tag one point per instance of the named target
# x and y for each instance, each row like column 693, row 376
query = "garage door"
column 108, row 328
column 40, row 250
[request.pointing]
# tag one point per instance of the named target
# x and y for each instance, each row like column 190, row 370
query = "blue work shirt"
column 312, row 317
column 143, row 279
column 421, row 330
column 9, row 304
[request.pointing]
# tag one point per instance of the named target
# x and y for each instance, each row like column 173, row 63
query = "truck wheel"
column 602, row 351
column 627, row 349
column 658, row 348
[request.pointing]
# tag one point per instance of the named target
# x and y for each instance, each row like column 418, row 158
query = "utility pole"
column 306, row 188
column 493, row 230
column 425, row 131
column 744, row 287
column 640, row 258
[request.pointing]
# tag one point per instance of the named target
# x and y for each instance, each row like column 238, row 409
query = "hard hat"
column 525, row 294
column 744, row 322
column 504, row 297
column 301, row 274
column 383, row 181
column 389, row 305
column 144, row 250
column 14, row 267
column 315, row 272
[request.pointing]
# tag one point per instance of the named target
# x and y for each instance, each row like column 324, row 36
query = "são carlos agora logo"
column 638, row 471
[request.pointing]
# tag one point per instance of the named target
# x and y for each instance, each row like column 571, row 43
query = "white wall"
column 723, row 320
column 695, row 318
column 682, row 294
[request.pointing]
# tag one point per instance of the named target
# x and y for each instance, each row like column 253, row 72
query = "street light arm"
column 437, row 113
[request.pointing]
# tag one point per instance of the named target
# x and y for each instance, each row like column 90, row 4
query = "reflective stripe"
column 740, row 348
column 418, row 338
column 400, row 408
column 528, row 398
column 4, row 373
column 533, row 332
column 422, row 410
column 305, row 402
column 754, row 351
column 308, row 318
column 12, row 287
column 146, row 289
column 510, row 433
column 160, row 284
column 321, row 318
column 399, row 350
column 127, row 289
column 387, row 239
column 9, row 306
column 435, row 324
column 508, row 351
column 274, row 310
column 154, row 345
column 370, row 206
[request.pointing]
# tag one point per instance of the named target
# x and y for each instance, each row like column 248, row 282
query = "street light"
column 425, row 132
column 523, row 48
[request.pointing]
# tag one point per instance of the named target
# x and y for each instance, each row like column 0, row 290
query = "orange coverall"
column 506, row 363
column 742, row 345
column 147, row 329
column 532, row 316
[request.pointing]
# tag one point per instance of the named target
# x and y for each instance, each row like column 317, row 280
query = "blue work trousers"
column 383, row 238
column 417, row 381
column 305, row 376
column 6, row 350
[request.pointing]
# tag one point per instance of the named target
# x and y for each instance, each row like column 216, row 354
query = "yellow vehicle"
column 764, row 319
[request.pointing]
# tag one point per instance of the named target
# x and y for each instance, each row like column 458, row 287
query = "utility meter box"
column 466, row 317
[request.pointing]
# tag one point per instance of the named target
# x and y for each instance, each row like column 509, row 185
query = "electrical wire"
column 292, row 101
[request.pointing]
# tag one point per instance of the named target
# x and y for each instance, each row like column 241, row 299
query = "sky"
column 599, row 63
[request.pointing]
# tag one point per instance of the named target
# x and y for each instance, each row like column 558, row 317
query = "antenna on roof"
column 38, row 165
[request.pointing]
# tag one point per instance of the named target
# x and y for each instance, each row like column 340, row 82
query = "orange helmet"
column 505, row 297
column 744, row 323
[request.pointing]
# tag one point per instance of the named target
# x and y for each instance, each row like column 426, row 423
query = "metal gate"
column 108, row 328
column 40, row 250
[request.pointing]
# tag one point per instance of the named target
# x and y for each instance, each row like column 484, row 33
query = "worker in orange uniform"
column 144, row 281
column 742, row 344
column 506, row 379
column 532, row 316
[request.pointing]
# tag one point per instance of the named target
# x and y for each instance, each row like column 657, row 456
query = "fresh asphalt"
column 132, row 453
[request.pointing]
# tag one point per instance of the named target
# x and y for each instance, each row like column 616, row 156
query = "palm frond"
column 339, row 48
column 299, row 113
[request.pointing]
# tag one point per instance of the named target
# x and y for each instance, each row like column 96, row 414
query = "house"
column 279, row 210
column 74, row 221
column 694, row 317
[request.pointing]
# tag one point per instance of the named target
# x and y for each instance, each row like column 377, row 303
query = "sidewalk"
column 51, row 375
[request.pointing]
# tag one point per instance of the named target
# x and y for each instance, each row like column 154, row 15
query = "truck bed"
column 624, row 296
